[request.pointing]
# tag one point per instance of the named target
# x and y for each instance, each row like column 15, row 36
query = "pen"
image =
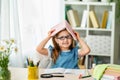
column 86, row 76
column 38, row 63
column 27, row 61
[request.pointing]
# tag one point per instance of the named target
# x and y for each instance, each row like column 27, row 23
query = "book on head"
column 61, row 26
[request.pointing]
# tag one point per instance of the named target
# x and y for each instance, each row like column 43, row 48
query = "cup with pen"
column 33, row 70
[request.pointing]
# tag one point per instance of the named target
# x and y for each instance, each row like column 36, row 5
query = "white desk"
column 21, row 74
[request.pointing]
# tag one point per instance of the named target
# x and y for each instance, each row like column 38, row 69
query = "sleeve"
column 77, row 48
column 75, row 51
column 50, row 49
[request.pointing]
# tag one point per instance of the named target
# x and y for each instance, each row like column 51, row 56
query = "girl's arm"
column 84, row 47
column 40, row 48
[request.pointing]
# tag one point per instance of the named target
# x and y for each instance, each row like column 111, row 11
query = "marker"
column 86, row 76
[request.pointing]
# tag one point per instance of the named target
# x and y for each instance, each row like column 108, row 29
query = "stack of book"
column 112, row 73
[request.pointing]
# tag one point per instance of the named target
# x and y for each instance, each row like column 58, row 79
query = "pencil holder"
column 33, row 73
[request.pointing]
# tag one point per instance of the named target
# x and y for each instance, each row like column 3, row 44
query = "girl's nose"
column 65, row 39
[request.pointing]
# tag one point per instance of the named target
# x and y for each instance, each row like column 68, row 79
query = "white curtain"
column 28, row 21
column 10, row 29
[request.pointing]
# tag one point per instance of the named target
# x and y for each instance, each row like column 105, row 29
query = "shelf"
column 100, row 54
column 92, row 29
column 103, row 41
column 88, row 3
column 99, row 29
column 75, row 3
column 78, row 28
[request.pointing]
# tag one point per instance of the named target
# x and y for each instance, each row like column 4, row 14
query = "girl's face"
column 64, row 40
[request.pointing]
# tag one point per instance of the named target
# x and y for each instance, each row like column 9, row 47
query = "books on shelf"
column 104, row 19
column 84, row 19
column 61, row 26
column 109, row 22
column 94, row 19
column 73, row 18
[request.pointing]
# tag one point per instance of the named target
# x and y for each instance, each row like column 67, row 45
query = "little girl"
column 64, row 53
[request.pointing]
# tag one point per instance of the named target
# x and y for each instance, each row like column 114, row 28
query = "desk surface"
column 21, row 74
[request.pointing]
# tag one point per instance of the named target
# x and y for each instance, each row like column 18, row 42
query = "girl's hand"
column 50, row 32
column 77, row 35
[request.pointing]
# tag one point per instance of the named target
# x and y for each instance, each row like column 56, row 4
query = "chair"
column 81, row 62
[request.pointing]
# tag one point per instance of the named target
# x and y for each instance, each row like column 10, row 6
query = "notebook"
column 62, row 26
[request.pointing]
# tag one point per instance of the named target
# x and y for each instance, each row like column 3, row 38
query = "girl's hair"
column 56, row 49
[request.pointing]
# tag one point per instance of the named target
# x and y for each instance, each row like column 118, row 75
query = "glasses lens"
column 63, row 37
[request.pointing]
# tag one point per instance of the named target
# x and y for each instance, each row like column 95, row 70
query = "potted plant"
column 6, row 48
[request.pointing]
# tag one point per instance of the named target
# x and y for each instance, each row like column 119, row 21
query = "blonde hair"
column 56, row 49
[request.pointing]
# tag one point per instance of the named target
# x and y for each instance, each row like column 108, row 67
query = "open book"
column 62, row 26
column 66, row 71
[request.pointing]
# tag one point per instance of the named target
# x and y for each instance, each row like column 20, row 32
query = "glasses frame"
column 65, row 37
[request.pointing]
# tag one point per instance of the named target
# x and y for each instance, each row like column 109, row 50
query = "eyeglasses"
column 63, row 37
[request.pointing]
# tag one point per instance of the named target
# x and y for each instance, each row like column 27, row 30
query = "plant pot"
column 5, row 74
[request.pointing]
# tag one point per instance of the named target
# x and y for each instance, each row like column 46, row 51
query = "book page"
column 84, row 72
column 73, row 71
column 54, row 71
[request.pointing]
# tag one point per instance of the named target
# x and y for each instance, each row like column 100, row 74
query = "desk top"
column 21, row 74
